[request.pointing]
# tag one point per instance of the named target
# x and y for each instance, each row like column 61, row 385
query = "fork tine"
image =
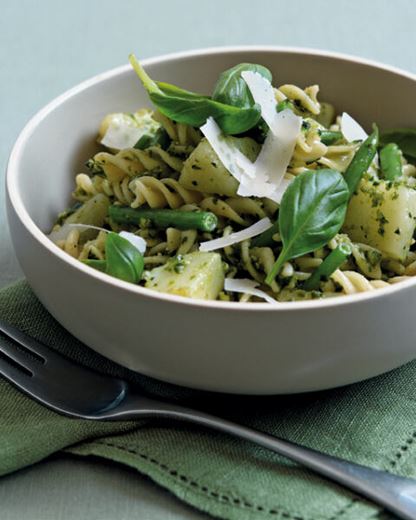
column 31, row 344
column 20, row 377
column 29, row 384
column 18, row 356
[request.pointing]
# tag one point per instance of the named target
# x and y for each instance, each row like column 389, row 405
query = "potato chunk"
column 195, row 275
column 203, row 171
column 93, row 213
column 382, row 215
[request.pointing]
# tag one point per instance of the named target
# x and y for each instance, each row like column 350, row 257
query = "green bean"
column 164, row 218
column 361, row 161
column 391, row 161
column 266, row 238
column 329, row 137
column 331, row 263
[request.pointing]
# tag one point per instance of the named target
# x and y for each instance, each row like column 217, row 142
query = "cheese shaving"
column 264, row 177
column 285, row 126
column 255, row 188
column 351, row 130
column 263, row 94
column 247, row 188
column 60, row 234
column 279, row 146
column 245, row 286
column 124, row 130
column 119, row 137
column 233, row 238
column 235, row 161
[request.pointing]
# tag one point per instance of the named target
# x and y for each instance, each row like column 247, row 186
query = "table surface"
column 47, row 47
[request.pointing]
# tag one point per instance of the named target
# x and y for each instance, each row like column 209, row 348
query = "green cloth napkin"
column 373, row 423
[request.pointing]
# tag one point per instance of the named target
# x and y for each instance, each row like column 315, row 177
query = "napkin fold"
column 372, row 423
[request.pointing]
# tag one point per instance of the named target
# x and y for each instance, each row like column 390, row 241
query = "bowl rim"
column 16, row 202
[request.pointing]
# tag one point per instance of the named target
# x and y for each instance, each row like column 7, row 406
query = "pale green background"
column 47, row 46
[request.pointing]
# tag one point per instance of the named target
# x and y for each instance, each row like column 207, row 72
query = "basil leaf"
column 266, row 238
column 123, row 259
column 312, row 211
column 405, row 138
column 231, row 88
column 232, row 120
column 100, row 265
column 177, row 92
column 193, row 109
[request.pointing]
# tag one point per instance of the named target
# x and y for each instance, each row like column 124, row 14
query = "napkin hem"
column 232, row 503
column 399, row 457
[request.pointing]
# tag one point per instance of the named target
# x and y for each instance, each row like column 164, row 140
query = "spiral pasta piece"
column 236, row 209
column 308, row 147
column 161, row 193
column 351, row 282
column 177, row 242
column 338, row 157
column 247, row 262
column 246, row 206
column 180, row 133
column 87, row 187
column 265, row 260
column 132, row 162
column 71, row 243
column 306, row 99
column 94, row 248
column 137, row 192
column 397, row 279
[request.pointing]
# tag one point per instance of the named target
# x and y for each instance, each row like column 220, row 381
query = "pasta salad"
column 255, row 193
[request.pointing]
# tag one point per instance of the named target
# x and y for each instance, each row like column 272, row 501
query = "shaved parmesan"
column 119, row 137
column 60, row 234
column 255, row 188
column 264, row 177
column 235, row 161
column 275, row 194
column 121, row 130
column 239, row 236
column 263, row 94
column 278, row 148
column 351, row 130
column 88, row 226
column 284, row 127
column 246, row 286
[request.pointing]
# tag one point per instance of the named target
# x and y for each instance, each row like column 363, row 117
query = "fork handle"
column 394, row 493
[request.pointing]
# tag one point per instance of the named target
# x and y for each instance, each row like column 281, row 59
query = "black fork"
column 73, row 390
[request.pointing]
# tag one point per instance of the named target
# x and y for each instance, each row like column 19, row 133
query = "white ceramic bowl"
column 230, row 347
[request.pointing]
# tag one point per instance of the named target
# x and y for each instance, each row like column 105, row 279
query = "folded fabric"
column 372, row 423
